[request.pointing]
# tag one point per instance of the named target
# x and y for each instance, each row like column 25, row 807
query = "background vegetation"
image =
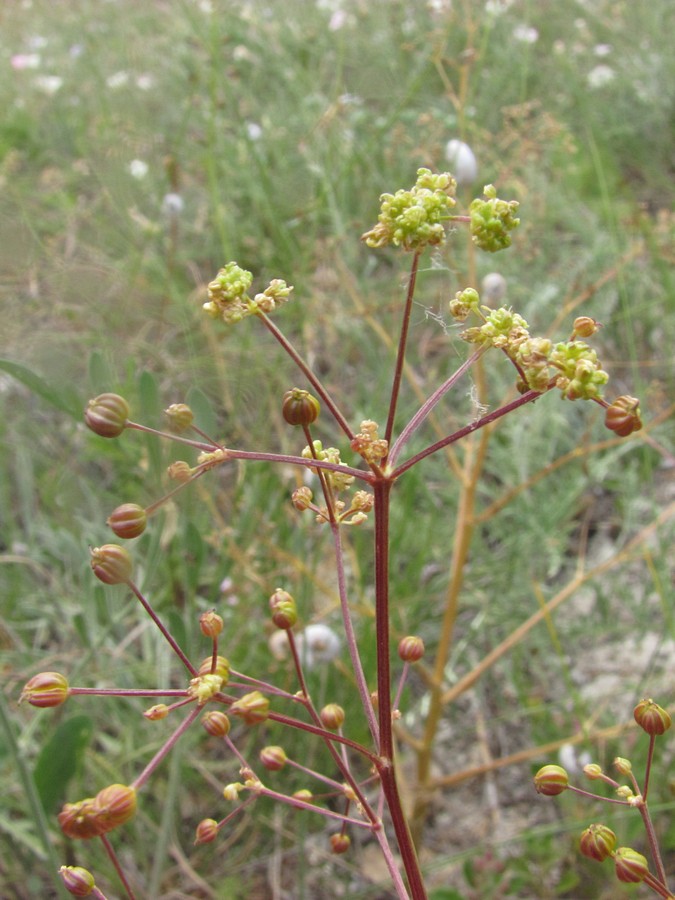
column 141, row 147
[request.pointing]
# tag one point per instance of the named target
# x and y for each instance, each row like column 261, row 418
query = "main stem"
column 385, row 766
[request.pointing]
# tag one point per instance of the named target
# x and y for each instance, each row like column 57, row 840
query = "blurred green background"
column 142, row 146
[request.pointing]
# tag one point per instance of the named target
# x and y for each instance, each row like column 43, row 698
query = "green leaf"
column 65, row 401
column 60, row 759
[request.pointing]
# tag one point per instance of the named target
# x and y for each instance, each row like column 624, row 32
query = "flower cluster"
column 414, row 219
column 571, row 366
column 492, row 220
column 368, row 444
column 229, row 299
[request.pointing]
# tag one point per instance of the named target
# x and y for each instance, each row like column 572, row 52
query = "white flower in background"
column 254, row 131
column 138, row 169
column 600, row 75
column 48, row 84
column 497, row 7
column 493, row 288
column 462, row 162
column 571, row 759
column 317, row 644
column 37, row 42
column 172, row 206
column 526, row 34
column 118, row 80
column 144, row 82
column 602, row 49
column 25, row 61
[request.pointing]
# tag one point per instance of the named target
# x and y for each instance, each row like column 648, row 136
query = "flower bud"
column 623, row 766
column 107, row 415
column 584, row 327
column 623, row 416
column 157, row 712
column 111, row 564
column 78, row 820
column 231, row 791
column 114, row 805
column 304, row 794
column 332, row 716
column 253, row 708
column 204, row 687
column 216, row 723
column 45, row 689
column 284, row 612
column 128, row 520
column 300, row 407
column 551, row 780
column 630, row 866
column 206, row 831
column 77, row 881
column 593, row 771
column 340, row 843
column 222, row 668
column 301, row 498
column 179, row 416
column 180, row 471
column 211, row 624
column 273, row 758
column 597, row 842
column 651, row 717
column 411, row 648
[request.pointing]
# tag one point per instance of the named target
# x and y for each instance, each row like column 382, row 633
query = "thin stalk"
column 528, row 397
column 110, row 850
column 158, row 622
column 352, row 643
column 428, row 406
column 385, row 765
column 306, row 370
column 402, row 342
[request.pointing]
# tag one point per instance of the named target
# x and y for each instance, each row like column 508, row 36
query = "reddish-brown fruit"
column 44, row 690
column 300, row 407
column 111, row 564
column 623, row 416
column 77, row 881
column 651, row 717
column 551, row 780
column 107, row 415
column 597, row 842
column 411, row 648
column 128, row 520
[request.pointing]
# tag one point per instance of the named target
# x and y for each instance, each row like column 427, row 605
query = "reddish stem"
column 385, row 763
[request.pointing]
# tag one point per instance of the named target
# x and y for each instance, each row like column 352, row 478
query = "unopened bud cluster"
column 571, row 366
column 492, row 220
column 368, row 444
column 416, row 218
column 228, row 297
